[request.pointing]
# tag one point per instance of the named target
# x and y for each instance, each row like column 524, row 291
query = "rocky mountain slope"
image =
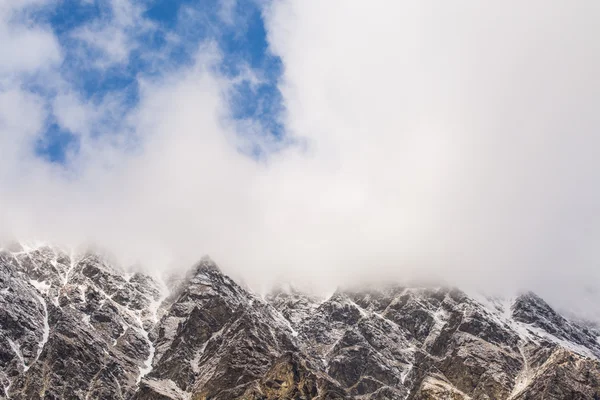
column 74, row 326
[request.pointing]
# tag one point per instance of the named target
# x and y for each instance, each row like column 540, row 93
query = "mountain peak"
column 206, row 264
column 67, row 320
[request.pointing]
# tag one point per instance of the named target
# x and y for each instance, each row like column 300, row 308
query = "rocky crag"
column 75, row 326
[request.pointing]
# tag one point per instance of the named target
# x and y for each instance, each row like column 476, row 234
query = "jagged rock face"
column 78, row 327
column 72, row 326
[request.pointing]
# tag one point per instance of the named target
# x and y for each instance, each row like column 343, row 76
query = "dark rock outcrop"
column 75, row 326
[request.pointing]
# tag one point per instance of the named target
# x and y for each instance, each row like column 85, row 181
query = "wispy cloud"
column 110, row 38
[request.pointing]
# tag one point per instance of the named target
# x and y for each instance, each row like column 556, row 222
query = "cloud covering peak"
column 314, row 142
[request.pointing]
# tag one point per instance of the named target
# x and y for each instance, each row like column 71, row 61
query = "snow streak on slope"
column 46, row 331
column 212, row 338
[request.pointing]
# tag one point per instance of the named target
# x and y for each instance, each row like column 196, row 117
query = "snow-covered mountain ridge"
column 74, row 326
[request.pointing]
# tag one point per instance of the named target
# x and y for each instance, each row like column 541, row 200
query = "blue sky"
column 163, row 36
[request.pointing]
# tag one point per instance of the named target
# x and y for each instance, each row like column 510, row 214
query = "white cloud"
column 227, row 11
column 454, row 141
column 73, row 114
column 114, row 36
column 25, row 49
column 17, row 132
column 112, row 41
column 469, row 131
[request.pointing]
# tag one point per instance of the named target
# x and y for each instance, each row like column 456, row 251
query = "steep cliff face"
column 74, row 326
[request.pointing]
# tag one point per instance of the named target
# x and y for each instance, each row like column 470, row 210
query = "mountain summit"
column 78, row 327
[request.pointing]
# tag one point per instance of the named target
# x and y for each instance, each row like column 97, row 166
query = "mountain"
column 76, row 326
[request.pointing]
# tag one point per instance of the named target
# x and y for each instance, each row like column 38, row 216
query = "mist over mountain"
column 318, row 144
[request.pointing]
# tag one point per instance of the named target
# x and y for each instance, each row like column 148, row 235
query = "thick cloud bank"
column 423, row 140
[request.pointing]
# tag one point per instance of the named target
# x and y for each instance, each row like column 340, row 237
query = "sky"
column 321, row 143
